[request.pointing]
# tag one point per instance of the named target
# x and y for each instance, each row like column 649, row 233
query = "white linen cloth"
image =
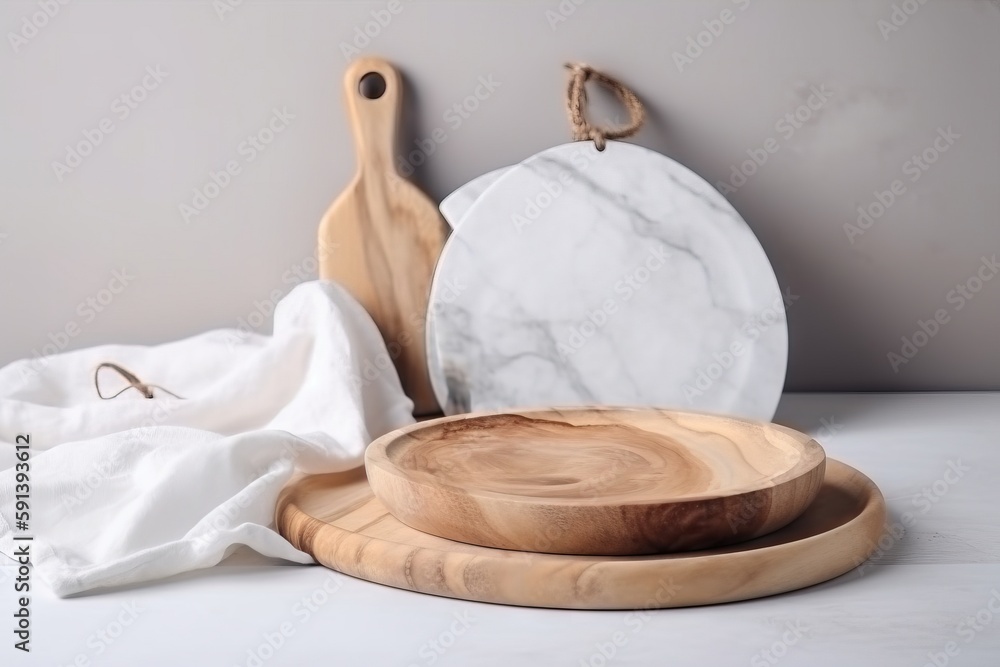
column 133, row 489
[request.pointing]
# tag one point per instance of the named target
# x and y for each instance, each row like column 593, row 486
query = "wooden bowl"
column 595, row 481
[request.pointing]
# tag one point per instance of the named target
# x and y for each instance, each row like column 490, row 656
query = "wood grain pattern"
column 338, row 520
column 382, row 236
column 595, row 481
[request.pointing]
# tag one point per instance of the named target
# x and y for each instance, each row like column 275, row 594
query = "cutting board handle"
column 374, row 119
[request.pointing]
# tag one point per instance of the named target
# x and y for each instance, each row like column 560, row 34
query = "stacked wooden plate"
column 590, row 508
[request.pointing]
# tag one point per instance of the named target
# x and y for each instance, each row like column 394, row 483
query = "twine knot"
column 576, row 99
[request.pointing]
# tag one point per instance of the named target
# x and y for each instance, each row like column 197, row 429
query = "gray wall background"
column 891, row 92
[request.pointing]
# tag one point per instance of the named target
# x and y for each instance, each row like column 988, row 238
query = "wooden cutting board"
column 338, row 520
column 382, row 236
column 596, row 481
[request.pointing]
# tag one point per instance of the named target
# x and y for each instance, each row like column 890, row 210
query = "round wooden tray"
column 338, row 520
column 595, row 481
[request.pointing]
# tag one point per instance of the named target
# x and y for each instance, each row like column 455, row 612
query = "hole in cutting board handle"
column 372, row 86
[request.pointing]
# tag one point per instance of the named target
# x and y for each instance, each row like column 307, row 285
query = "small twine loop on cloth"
column 576, row 100
column 133, row 382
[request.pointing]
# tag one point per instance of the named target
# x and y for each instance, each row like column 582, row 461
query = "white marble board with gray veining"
column 617, row 278
column 457, row 204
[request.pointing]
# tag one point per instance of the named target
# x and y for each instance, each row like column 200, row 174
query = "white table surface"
column 904, row 609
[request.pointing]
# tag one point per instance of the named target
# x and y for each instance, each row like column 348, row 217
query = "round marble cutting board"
column 457, row 204
column 611, row 278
